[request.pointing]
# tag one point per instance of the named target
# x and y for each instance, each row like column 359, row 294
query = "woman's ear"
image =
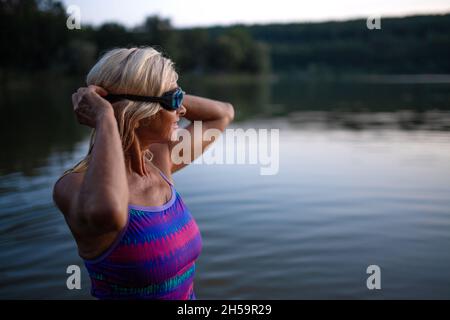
column 144, row 123
column 119, row 109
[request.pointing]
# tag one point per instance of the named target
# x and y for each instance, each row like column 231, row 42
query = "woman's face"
column 160, row 127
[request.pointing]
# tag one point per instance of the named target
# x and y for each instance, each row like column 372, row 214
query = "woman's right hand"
column 89, row 106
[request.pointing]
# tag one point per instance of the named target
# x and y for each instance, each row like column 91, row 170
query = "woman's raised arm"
column 99, row 200
column 213, row 114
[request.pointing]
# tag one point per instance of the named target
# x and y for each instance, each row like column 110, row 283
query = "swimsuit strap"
column 162, row 175
column 165, row 178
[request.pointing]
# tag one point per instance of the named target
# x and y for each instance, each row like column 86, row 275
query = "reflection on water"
column 363, row 180
column 37, row 117
column 342, row 200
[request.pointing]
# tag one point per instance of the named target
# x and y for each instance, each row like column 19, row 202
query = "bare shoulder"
column 91, row 240
column 66, row 190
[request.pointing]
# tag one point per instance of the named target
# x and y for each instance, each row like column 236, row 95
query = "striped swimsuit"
column 153, row 257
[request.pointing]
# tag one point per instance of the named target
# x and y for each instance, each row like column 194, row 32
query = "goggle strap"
column 117, row 97
column 169, row 100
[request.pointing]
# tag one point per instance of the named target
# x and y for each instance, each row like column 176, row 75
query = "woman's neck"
column 135, row 161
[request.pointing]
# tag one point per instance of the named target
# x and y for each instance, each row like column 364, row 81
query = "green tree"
column 157, row 32
column 193, row 50
column 32, row 33
column 235, row 50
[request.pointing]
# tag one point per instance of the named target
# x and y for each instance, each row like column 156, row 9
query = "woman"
column 134, row 232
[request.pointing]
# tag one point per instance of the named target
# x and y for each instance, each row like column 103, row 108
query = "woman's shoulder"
column 66, row 188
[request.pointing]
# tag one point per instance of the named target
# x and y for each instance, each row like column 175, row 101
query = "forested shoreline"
column 34, row 37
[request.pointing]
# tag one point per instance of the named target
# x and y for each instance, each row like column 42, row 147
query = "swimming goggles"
column 170, row 100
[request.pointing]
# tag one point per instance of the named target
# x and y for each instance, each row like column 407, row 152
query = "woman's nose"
column 181, row 111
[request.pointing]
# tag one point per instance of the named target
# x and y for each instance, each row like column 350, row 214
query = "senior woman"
column 134, row 232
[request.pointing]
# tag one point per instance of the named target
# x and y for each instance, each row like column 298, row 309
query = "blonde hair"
column 138, row 71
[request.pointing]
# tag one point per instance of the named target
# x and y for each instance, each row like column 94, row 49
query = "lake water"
column 364, row 179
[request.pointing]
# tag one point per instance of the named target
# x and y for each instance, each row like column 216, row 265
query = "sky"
column 191, row 13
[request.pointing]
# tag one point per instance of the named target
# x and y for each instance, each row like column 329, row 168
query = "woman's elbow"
column 107, row 220
column 229, row 112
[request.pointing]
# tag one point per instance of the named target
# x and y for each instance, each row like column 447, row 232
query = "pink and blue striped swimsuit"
column 153, row 257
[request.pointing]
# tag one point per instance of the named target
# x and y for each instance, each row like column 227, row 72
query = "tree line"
column 34, row 37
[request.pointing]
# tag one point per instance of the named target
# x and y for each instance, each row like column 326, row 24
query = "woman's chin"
column 174, row 134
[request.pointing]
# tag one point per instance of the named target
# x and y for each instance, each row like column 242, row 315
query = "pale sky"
column 190, row 13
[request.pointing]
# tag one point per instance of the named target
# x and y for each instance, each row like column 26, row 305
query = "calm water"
column 358, row 184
